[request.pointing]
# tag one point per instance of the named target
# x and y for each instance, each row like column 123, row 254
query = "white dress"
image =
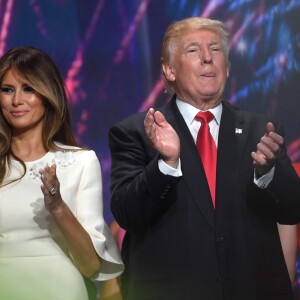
column 34, row 261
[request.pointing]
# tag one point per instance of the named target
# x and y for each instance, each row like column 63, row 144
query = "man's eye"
column 6, row 89
column 192, row 51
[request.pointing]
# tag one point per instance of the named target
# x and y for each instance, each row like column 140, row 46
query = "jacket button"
column 219, row 281
column 220, row 239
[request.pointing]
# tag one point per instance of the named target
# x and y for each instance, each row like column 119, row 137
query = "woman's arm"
column 288, row 238
column 78, row 240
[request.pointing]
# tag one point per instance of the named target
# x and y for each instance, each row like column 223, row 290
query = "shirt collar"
column 189, row 112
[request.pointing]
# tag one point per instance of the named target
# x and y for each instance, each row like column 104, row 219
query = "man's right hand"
column 162, row 137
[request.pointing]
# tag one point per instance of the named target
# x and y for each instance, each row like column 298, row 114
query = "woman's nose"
column 17, row 99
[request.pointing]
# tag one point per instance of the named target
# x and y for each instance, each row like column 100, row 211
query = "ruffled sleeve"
column 89, row 212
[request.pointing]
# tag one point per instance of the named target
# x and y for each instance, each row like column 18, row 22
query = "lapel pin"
column 238, row 130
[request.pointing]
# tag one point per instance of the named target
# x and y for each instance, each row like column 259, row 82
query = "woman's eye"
column 7, row 90
column 28, row 89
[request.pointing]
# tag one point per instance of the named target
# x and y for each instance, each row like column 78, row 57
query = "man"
column 186, row 239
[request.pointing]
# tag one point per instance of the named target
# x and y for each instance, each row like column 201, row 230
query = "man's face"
column 198, row 68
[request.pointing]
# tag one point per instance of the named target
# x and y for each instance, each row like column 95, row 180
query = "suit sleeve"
column 283, row 192
column 140, row 193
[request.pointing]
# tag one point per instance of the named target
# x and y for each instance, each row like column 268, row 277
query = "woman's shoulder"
column 68, row 152
column 64, row 147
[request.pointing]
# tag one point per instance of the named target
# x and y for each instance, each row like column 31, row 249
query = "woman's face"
column 22, row 107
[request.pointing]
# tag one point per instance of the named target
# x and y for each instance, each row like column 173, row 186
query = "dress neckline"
column 29, row 162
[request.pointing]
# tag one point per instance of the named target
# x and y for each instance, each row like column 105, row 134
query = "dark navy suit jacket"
column 177, row 246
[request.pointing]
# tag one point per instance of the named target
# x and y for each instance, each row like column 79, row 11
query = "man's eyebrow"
column 190, row 44
column 198, row 44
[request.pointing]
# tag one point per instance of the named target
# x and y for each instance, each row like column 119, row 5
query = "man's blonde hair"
column 177, row 29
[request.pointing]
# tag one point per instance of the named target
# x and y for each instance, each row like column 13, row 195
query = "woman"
column 288, row 239
column 53, row 238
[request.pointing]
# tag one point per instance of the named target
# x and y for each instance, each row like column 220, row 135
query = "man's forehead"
column 198, row 37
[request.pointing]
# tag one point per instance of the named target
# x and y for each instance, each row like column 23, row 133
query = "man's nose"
column 206, row 57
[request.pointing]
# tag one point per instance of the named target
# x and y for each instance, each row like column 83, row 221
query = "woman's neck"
column 28, row 148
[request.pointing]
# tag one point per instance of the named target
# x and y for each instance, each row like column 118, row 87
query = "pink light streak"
column 241, row 30
column 72, row 83
column 130, row 33
column 5, row 25
column 39, row 15
column 150, row 100
column 211, row 7
column 294, row 150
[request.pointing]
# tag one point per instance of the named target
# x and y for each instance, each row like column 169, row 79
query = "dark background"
column 109, row 53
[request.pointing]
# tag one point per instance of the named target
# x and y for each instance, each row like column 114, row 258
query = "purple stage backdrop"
column 109, row 54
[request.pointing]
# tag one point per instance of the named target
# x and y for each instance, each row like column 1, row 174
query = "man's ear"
column 169, row 72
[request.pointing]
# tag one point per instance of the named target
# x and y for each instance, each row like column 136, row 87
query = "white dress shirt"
column 188, row 113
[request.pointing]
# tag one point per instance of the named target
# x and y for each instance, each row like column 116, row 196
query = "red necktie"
column 208, row 151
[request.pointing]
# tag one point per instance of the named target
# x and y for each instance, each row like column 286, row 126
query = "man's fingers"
column 258, row 158
column 270, row 128
column 159, row 118
column 149, row 117
column 149, row 121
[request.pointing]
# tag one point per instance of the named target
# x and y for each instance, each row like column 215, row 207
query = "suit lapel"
column 193, row 173
column 232, row 137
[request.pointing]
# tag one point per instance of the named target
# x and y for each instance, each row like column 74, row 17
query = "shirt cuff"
column 168, row 170
column 263, row 181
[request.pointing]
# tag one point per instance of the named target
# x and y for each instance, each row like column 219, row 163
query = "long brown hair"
column 36, row 68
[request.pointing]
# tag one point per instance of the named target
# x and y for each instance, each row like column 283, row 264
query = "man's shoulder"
column 137, row 118
column 244, row 114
